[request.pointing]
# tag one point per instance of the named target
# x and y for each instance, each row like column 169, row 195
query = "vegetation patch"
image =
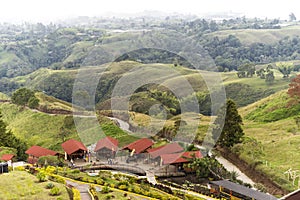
column 22, row 185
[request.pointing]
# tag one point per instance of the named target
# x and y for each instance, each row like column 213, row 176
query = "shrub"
column 49, row 160
column 57, row 179
column 109, row 196
column 54, row 191
column 93, row 191
column 42, row 176
column 49, row 186
column 75, row 171
column 137, row 190
column 99, row 181
column 122, row 187
column 76, row 194
column 106, row 190
column 19, row 168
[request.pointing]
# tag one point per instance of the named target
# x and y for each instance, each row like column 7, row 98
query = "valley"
column 222, row 90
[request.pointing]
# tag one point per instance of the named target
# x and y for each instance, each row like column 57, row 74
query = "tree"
column 65, row 129
column 23, row 97
column 285, row 68
column 294, row 90
column 232, row 131
column 33, row 102
column 270, row 77
column 246, row 70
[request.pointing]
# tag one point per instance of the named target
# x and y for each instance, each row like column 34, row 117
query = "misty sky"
column 50, row 10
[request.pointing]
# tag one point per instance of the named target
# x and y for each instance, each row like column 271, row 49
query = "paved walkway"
column 150, row 177
column 231, row 167
column 83, row 189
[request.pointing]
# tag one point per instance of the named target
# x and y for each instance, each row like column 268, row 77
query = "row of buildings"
column 108, row 147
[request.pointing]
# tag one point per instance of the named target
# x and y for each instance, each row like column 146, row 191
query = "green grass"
column 34, row 127
column 267, row 36
column 52, row 103
column 273, row 108
column 22, row 185
column 271, row 122
column 120, row 196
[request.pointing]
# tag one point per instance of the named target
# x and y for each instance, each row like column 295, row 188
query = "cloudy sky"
column 48, row 10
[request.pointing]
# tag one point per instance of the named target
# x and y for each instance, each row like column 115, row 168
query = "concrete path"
column 122, row 124
column 231, row 167
column 83, row 189
column 150, row 177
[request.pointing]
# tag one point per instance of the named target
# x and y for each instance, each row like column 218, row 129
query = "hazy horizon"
column 47, row 11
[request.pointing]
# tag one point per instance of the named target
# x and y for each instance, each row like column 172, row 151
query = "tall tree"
column 8, row 139
column 232, row 131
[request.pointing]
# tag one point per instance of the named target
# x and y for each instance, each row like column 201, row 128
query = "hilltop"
column 265, row 36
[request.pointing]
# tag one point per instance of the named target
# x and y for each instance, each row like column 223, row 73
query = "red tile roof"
column 180, row 157
column 72, row 146
column 38, row 151
column 166, row 149
column 107, row 142
column 7, row 157
column 139, row 145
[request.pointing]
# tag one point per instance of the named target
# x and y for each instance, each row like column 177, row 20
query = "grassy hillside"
column 34, row 127
column 37, row 128
column 52, row 103
column 267, row 36
column 271, row 122
column 22, row 185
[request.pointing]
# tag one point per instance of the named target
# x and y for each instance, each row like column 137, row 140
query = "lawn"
column 22, row 185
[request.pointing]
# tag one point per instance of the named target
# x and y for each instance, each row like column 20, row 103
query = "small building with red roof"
column 7, row 157
column 155, row 153
column 35, row 152
column 74, row 149
column 179, row 158
column 139, row 146
column 106, row 148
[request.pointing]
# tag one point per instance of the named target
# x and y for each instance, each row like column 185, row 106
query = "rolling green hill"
column 271, row 122
column 59, row 83
column 267, row 36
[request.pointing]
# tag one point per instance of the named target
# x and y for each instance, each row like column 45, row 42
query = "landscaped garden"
column 22, row 185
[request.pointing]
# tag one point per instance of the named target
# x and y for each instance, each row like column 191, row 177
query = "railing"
column 119, row 167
